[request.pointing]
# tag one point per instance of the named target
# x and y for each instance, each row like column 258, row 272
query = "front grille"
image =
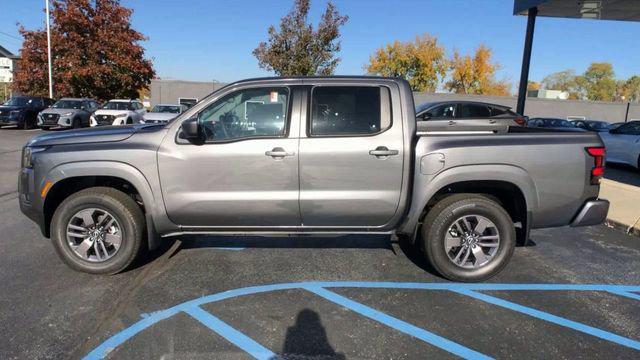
column 105, row 119
column 50, row 119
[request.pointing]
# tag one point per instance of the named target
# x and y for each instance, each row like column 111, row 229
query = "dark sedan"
column 23, row 110
column 592, row 125
column 553, row 124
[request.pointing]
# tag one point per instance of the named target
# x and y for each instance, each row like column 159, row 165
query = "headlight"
column 27, row 155
column 68, row 114
column 121, row 115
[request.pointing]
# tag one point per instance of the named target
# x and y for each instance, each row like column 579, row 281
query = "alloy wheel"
column 94, row 235
column 472, row 241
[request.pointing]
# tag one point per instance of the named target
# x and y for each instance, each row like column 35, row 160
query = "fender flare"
column 113, row 169
column 426, row 187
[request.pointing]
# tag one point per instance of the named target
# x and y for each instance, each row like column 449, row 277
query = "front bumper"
column 593, row 212
column 29, row 204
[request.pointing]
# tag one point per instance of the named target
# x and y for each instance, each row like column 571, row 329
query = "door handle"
column 451, row 122
column 383, row 151
column 278, row 152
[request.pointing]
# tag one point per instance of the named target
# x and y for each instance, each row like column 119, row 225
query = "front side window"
column 248, row 113
column 349, row 110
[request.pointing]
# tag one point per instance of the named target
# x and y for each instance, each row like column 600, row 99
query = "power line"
column 9, row 35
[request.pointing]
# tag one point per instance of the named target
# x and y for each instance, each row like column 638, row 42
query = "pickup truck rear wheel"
column 468, row 237
column 98, row 230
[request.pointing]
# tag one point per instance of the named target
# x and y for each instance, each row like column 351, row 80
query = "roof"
column 76, row 99
column 426, row 105
column 621, row 10
column 8, row 54
column 124, row 100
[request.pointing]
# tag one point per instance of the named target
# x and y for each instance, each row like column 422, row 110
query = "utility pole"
column 46, row 6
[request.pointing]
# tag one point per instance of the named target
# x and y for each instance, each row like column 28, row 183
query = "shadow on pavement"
column 307, row 339
column 171, row 246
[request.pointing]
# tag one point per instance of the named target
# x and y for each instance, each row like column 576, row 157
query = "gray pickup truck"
column 338, row 155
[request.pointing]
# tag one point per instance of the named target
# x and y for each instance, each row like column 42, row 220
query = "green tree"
column 599, row 82
column 95, row 52
column 476, row 75
column 632, row 89
column 297, row 49
column 421, row 62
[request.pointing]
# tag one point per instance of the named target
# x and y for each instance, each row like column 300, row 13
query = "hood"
column 5, row 110
column 160, row 116
column 58, row 111
column 111, row 112
column 89, row 135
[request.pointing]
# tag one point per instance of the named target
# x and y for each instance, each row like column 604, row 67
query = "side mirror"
column 191, row 130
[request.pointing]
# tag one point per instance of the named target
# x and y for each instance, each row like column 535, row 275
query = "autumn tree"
column 631, row 88
column 533, row 85
column 421, row 62
column 564, row 81
column 95, row 53
column 476, row 75
column 296, row 49
column 599, row 82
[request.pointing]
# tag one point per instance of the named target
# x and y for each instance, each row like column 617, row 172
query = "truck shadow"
column 173, row 245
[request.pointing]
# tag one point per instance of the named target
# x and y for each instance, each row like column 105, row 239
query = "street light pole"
column 46, row 5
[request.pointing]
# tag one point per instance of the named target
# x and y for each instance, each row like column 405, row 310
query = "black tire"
column 441, row 217
column 75, row 123
column 25, row 124
column 126, row 212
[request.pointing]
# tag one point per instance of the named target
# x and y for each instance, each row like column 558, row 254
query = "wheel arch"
column 509, row 185
column 69, row 178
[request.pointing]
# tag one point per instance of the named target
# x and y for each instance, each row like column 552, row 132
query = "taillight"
column 597, row 172
column 520, row 121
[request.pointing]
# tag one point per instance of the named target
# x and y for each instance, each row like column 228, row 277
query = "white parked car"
column 163, row 113
column 119, row 112
column 623, row 144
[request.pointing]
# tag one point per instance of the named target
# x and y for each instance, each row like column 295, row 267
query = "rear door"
column 351, row 155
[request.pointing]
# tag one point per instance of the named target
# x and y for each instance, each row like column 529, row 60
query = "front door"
column 351, row 159
column 245, row 173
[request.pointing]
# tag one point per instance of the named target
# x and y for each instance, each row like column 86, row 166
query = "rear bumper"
column 593, row 212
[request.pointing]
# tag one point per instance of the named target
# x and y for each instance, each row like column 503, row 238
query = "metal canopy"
column 621, row 10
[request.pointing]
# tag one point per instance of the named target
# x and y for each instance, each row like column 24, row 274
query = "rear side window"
column 474, row 111
column 349, row 110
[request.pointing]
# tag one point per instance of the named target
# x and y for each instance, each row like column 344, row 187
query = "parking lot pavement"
column 354, row 297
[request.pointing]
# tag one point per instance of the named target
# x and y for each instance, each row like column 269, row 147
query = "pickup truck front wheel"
column 468, row 237
column 98, row 230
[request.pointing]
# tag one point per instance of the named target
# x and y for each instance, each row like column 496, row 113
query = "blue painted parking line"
column 625, row 294
column 319, row 288
column 553, row 319
column 398, row 324
column 234, row 336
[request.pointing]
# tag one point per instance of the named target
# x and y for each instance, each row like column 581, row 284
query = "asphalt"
column 384, row 302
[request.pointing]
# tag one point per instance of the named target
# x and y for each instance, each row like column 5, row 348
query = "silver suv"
column 67, row 113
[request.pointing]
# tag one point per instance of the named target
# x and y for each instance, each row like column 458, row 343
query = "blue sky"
column 205, row 40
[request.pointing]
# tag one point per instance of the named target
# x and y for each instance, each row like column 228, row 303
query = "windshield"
column 67, row 104
column 117, row 105
column 598, row 125
column 173, row 109
column 18, row 101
